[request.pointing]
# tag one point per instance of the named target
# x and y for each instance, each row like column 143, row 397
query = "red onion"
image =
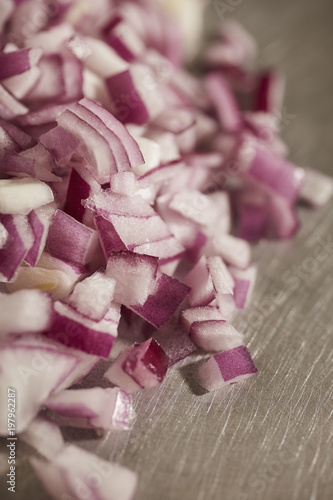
column 96, row 408
column 129, row 192
column 76, row 473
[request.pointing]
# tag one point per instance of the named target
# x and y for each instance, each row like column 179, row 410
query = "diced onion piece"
column 227, row 367
column 39, row 371
column 73, row 329
column 139, row 367
column 70, row 240
column 20, row 196
column 270, row 92
column 317, row 188
column 136, row 94
column 244, row 281
column 19, row 240
column 17, row 62
column 215, row 335
column 224, row 102
column 233, row 250
column 199, row 314
column 39, row 220
column 75, row 471
column 53, row 281
column 97, row 286
column 45, row 436
column 208, row 278
column 151, row 154
column 96, row 408
column 134, row 276
column 35, row 312
column 163, row 303
column 103, row 59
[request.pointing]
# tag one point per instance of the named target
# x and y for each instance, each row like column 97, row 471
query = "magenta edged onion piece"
column 277, row 175
column 270, row 92
column 244, row 281
column 108, row 237
column 81, row 186
column 139, row 367
column 21, row 138
column 9, row 106
column 163, row 303
column 174, row 340
column 208, row 278
column 73, row 329
column 17, row 62
column 227, row 367
column 61, row 144
column 70, row 240
column 132, row 149
column 136, row 100
column 224, row 102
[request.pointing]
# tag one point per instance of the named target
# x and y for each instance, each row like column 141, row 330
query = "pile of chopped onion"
column 129, row 192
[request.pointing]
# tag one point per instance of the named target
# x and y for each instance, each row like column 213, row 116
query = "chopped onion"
column 77, row 473
column 139, row 366
column 20, row 196
column 130, row 189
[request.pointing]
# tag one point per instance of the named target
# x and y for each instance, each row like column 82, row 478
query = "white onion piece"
column 134, row 276
column 57, row 283
column 233, row 250
column 317, row 188
column 96, row 408
column 35, row 312
column 151, row 154
column 45, row 436
column 101, row 288
column 77, row 473
column 18, row 243
column 20, row 196
column 35, row 372
column 215, row 335
column 123, row 183
column 9, row 106
column 102, row 59
column 198, row 314
column 50, row 275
